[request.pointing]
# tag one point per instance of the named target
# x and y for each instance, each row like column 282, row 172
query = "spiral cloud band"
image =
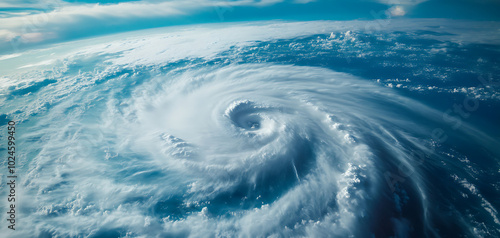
column 124, row 139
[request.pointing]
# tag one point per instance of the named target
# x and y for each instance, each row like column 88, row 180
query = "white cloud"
column 6, row 35
column 304, row 1
column 400, row 7
column 396, row 11
column 56, row 16
column 402, row 2
column 4, row 57
column 36, row 4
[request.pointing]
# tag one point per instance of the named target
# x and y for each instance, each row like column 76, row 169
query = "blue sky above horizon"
column 28, row 23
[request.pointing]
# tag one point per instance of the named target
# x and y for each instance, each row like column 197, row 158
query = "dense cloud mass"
column 263, row 129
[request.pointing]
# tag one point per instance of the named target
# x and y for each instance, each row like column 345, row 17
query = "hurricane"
column 285, row 129
column 285, row 143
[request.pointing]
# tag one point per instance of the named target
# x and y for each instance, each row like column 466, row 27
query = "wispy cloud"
column 400, row 7
column 24, row 23
column 43, row 20
column 396, row 11
column 402, row 2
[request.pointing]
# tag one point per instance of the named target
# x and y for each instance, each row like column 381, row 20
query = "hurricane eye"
column 250, row 122
column 253, row 125
column 246, row 115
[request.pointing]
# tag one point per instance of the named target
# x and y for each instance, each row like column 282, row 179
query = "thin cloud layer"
column 32, row 22
column 42, row 19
